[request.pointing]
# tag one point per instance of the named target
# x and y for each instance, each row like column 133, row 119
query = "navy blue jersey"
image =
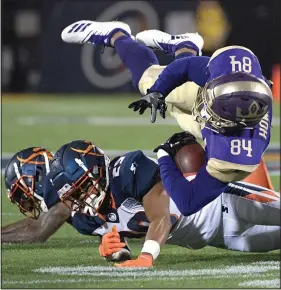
column 132, row 175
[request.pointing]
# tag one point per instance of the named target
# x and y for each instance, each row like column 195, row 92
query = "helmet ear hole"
column 102, row 182
column 38, row 176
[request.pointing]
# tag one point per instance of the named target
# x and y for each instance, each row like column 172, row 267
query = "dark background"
column 34, row 58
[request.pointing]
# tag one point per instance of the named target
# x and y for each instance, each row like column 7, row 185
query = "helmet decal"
column 87, row 151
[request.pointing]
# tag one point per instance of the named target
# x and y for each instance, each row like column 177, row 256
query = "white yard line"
column 135, row 278
column 116, row 272
column 103, row 121
column 133, row 274
column 275, row 283
column 98, row 121
column 274, row 173
column 276, row 121
column 83, row 280
column 115, row 152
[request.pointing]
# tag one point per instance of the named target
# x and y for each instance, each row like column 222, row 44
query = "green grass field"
column 71, row 260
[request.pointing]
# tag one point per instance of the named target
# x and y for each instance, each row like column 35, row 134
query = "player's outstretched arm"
column 193, row 68
column 158, row 216
column 36, row 231
column 189, row 196
column 52, row 221
column 156, row 205
column 21, row 231
column 174, row 75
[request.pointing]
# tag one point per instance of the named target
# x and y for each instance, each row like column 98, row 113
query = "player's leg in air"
column 251, row 219
column 177, row 47
column 145, row 69
column 142, row 62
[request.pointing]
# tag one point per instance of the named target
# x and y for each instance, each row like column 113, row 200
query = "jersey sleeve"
column 189, row 196
column 191, row 68
column 133, row 175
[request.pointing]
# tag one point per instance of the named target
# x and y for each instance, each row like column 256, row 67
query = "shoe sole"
column 81, row 37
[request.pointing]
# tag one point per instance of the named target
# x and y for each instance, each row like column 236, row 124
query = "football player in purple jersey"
column 233, row 106
column 226, row 94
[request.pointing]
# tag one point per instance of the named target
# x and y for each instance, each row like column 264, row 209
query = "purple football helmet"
column 232, row 101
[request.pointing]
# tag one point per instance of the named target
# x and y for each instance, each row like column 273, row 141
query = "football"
column 190, row 158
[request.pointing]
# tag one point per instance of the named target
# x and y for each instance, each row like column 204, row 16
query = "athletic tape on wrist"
column 161, row 153
column 151, row 247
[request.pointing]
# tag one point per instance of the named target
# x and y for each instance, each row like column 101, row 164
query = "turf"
column 51, row 121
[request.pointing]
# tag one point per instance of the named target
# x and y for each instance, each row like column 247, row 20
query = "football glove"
column 176, row 142
column 111, row 243
column 143, row 260
column 153, row 100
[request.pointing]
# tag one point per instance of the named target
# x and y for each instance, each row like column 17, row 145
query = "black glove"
column 176, row 142
column 155, row 101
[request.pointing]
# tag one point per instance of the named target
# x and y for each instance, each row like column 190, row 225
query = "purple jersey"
column 245, row 147
column 234, row 59
column 202, row 69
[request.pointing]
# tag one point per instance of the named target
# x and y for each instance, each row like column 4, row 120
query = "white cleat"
column 167, row 42
column 93, row 32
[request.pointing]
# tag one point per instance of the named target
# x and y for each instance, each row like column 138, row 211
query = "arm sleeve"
column 192, row 68
column 189, row 196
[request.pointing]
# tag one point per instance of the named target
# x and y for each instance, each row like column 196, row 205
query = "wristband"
column 162, row 153
column 151, row 247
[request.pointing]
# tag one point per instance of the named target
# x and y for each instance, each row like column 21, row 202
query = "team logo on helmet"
column 254, row 111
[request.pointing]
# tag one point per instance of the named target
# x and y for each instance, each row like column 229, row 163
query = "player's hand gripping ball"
column 176, row 142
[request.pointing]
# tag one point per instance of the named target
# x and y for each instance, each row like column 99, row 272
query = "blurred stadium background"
column 77, row 80
column 53, row 92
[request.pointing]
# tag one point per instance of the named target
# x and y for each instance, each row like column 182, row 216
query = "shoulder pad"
column 136, row 174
